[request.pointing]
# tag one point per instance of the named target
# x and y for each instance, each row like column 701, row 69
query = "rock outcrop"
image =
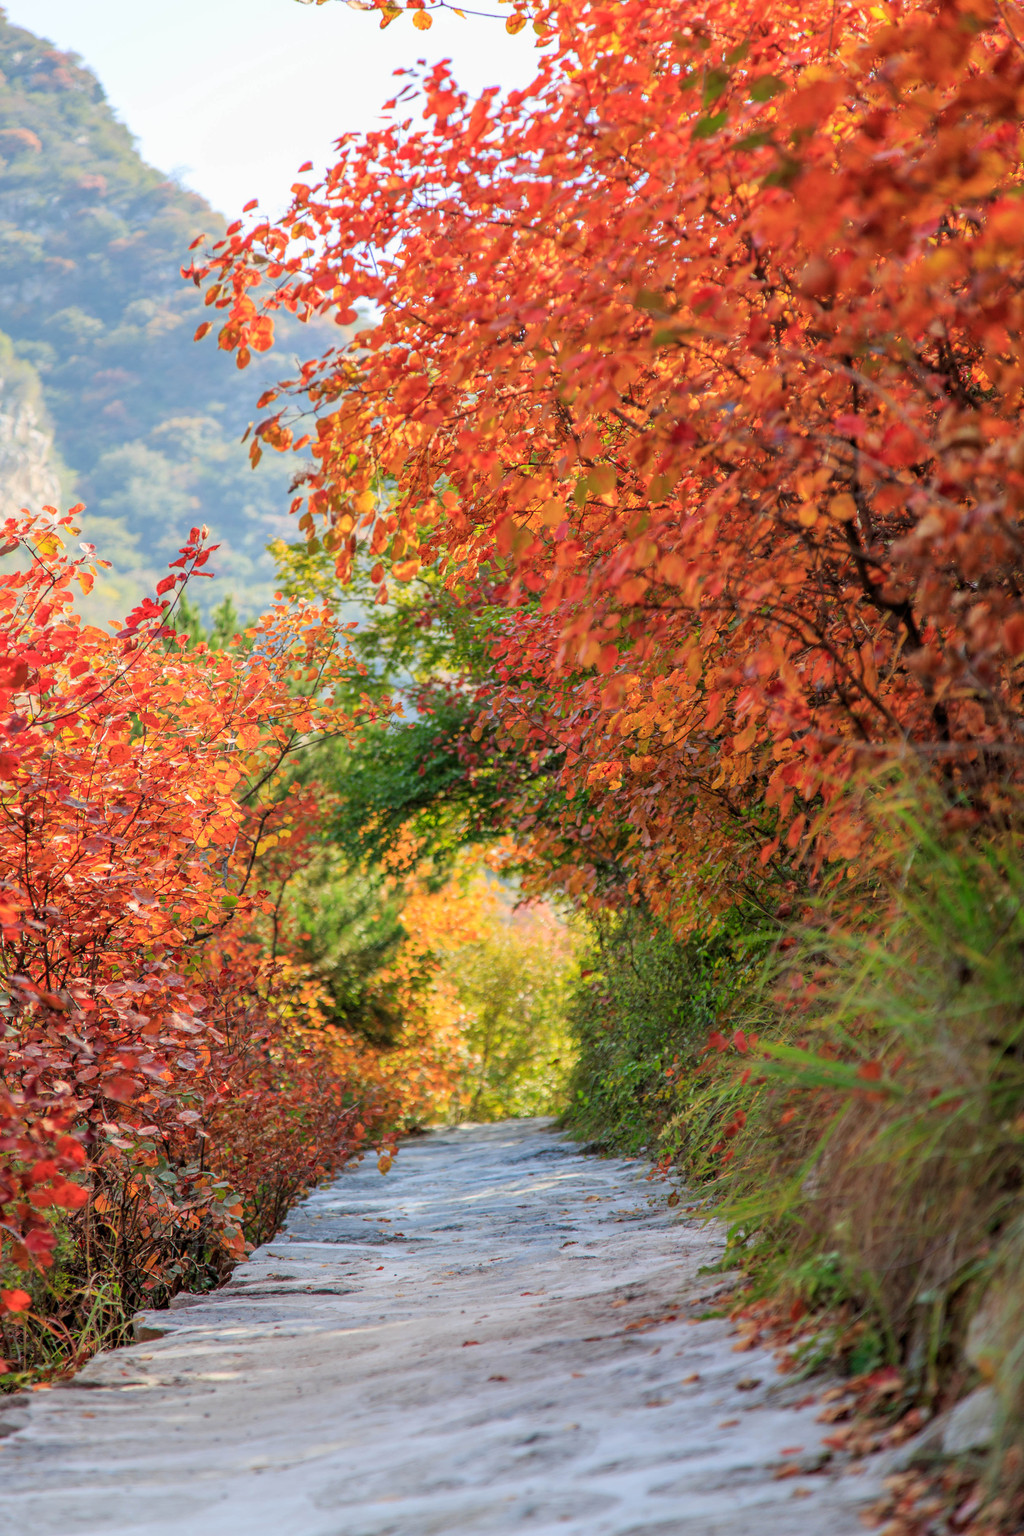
column 28, row 469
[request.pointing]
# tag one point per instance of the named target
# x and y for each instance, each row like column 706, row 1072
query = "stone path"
column 498, row 1337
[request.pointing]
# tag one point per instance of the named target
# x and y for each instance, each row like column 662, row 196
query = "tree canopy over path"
column 700, row 358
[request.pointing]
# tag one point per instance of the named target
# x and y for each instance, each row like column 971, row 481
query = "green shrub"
column 640, row 1012
column 513, row 986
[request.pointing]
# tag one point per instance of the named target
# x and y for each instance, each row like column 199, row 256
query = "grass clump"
column 879, row 1160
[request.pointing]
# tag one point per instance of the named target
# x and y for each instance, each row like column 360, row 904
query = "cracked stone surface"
column 501, row 1336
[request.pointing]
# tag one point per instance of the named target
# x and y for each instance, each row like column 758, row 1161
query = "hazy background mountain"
column 104, row 396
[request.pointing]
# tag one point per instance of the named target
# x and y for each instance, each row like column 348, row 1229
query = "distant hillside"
column 146, row 424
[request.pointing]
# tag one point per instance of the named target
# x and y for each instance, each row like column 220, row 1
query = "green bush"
column 640, row 1012
column 513, row 985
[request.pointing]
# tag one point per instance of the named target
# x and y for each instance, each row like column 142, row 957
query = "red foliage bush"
column 163, row 1095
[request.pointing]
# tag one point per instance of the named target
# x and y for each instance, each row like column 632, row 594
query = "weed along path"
column 497, row 1337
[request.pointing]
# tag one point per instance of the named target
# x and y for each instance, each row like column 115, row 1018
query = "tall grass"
column 883, row 1129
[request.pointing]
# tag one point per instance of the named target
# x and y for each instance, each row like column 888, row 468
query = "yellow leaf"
column 843, row 508
column 515, row 23
column 422, row 21
column 602, row 479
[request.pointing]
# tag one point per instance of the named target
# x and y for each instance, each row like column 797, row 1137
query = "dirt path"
column 498, row 1337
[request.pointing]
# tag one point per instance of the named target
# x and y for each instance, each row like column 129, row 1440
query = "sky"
column 231, row 96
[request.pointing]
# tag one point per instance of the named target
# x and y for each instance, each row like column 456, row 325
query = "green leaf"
column 707, row 127
column 765, row 87
column 715, row 82
column 784, row 174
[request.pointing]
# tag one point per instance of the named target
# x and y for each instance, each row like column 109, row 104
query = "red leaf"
column 121, row 1087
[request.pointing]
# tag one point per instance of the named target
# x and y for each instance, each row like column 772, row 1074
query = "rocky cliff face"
column 28, row 470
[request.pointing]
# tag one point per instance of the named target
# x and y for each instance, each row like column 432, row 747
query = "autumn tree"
column 702, row 353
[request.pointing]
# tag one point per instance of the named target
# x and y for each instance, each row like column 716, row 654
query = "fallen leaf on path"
column 835, row 1412
column 969, row 1508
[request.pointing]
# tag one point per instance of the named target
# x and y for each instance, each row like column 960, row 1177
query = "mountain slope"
column 91, row 245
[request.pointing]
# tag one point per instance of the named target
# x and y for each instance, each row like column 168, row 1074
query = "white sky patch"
column 232, row 96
